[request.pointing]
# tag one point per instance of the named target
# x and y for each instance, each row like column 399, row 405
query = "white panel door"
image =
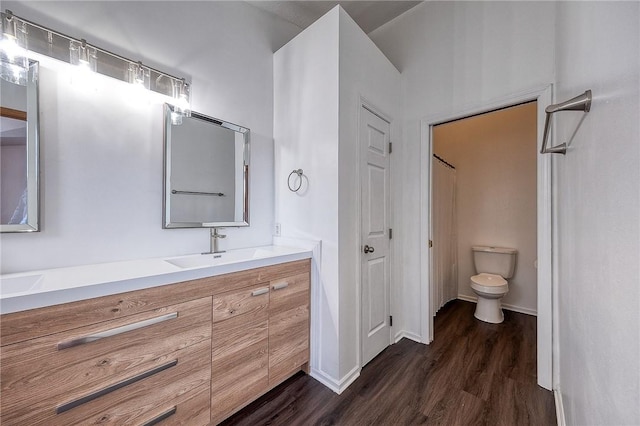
column 374, row 249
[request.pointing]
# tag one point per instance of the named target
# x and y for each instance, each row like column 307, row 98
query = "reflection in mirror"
column 206, row 172
column 19, row 154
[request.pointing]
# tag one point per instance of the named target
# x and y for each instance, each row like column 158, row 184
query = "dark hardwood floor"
column 473, row 373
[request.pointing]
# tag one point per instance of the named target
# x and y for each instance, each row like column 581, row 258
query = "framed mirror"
column 19, row 156
column 206, row 172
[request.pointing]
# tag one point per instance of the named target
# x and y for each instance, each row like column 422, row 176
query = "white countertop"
column 36, row 289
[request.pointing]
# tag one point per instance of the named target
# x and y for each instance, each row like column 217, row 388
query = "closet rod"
column 444, row 161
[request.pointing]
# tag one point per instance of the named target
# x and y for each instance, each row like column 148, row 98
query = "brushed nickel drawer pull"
column 280, row 286
column 115, row 331
column 260, row 291
column 83, row 400
column 162, row 416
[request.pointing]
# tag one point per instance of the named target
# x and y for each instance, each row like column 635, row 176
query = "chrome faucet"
column 213, row 247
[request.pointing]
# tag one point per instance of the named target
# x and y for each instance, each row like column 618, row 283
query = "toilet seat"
column 489, row 283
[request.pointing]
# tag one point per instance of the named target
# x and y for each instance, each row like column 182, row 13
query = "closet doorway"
column 375, row 271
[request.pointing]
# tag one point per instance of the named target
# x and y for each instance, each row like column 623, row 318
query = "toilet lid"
column 489, row 283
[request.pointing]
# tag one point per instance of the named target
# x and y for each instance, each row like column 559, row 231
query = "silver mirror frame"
column 33, row 157
column 166, row 193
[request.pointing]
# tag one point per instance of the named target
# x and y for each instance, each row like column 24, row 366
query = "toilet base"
column 489, row 310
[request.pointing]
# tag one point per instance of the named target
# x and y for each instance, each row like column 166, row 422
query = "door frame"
column 546, row 338
column 364, row 103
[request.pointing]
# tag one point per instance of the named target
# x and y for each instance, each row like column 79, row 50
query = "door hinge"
column 430, row 243
column 390, row 147
column 390, row 233
column 390, row 320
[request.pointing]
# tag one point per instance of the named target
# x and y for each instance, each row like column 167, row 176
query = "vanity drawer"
column 284, row 270
column 40, row 374
column 36, row 323
column 162, row 397
column 193, row 411
column 249, row 300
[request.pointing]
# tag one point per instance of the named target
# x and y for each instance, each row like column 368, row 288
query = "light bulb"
column 83, row 55
column 14, row 65
column 181, row 98
column 139, row 75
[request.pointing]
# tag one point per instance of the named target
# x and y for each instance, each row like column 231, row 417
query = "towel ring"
column 299, row 173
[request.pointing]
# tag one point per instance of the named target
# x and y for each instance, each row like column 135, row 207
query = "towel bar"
column 579, row 103
column 217, row 194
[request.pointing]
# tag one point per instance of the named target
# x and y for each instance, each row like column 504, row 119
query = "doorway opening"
column 483, row 191
column 536, row 262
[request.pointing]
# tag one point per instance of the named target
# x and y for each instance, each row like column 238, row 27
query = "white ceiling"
column 368, row 14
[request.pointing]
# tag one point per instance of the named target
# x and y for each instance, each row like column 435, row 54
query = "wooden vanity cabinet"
column 190, row 353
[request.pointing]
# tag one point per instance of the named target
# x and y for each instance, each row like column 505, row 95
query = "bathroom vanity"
column 184, row 351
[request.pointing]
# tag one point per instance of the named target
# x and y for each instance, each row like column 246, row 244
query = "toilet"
column 494, row 266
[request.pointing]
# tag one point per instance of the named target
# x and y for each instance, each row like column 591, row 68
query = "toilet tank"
column 495, row 260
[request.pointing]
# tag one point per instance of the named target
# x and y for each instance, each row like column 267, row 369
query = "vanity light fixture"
column 14, row 65
column 44, row 41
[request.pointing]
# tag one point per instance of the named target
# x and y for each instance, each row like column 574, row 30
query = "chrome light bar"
column 62, row 47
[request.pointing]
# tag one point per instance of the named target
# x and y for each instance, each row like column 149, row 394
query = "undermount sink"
column 204, row 260
column 20, row 284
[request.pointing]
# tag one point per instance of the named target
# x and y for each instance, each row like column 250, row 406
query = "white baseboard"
column 520, row 309
column 338, row 386
column 557, row 395
column 506, row 306
column 407, row 334
column 467, row 298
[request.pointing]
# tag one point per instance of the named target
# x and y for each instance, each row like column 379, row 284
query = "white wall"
column 598, row 199
column 495, row 159
column 101, row 158
column 455, row 56
column 306, row 137
column 319, row 79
